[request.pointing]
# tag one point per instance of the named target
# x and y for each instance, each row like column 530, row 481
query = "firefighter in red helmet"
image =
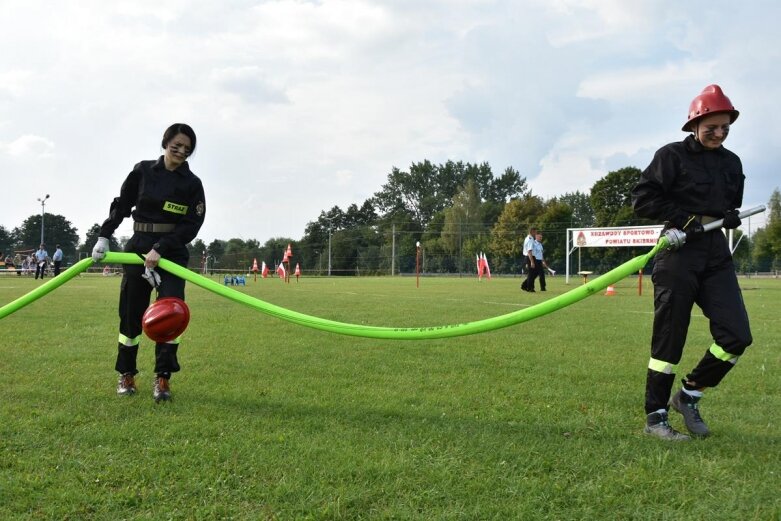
column 687, row 185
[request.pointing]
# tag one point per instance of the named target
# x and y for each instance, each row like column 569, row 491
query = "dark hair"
column 179, row 128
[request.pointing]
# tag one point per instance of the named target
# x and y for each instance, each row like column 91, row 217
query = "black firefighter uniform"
column 168, row 209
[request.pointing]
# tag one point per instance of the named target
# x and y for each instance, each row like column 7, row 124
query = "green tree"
column 215, row 251
column 509, row 231
column 6, row 242
column 462, row 219
column 413, row 191
column 510, row 185
column 767, row 241
column 611, row 198
column 583, row 215
column 197, row 249
column 553, row 223
column 92, row 237
column 363, row 216
column 57, row 230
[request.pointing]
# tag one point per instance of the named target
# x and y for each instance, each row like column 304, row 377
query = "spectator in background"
column 57, row 260
column 540, row 261
column 530, row 263
column 10, row 265
column 41, row 257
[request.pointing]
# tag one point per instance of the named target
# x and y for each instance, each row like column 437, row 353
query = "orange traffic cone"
column 611, row 291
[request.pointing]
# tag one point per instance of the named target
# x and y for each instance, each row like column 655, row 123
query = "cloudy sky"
column 303, row 105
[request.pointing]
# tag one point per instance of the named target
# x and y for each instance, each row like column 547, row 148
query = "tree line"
column 455, row 210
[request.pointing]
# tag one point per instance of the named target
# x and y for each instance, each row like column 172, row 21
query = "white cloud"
column 30, row 146
column 644, row 83
column 300, row 106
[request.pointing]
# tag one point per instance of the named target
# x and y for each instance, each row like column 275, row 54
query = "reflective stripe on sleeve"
column 722, row 355
column 660, row 366
column 127, row 341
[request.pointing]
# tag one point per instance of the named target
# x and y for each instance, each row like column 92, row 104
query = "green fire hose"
column 390, row 333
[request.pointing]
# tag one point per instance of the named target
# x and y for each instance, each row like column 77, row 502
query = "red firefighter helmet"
column 165, row 319
column 710, row 101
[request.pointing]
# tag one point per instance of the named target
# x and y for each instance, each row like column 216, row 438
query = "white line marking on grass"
column 513, row 304
column 696, row 315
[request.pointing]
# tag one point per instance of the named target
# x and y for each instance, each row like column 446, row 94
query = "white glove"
column 552, row 272
column 100, row 249
column 152, row 277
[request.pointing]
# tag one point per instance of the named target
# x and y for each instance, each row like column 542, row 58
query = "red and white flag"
column 255, row 265
column 264, row 270
column 486, row 268
column 281, row 270
column 298, row 270
column 479, row 262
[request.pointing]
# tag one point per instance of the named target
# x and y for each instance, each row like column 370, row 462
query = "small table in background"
column 585, row 275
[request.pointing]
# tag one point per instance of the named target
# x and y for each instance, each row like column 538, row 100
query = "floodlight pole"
column 43, row 212
column 330, row 226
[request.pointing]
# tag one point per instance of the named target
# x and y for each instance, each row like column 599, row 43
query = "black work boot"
column 657, row 425
column 687, row 405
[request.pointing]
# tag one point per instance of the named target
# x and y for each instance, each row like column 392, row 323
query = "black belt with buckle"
column 153, row 227
column 706, row 219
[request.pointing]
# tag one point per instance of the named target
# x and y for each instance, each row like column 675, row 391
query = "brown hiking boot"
column 162, row 389
column 126, row 386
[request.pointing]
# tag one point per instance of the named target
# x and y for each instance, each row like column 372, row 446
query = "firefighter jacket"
column 153, row 194
column 684, row 179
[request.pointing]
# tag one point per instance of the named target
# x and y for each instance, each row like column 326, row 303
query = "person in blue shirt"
column 529, row 261
column 41, row 257
column 57, row 260
column 539, row 258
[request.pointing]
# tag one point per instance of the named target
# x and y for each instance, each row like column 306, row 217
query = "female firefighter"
column 687, row 185
column 168, row 207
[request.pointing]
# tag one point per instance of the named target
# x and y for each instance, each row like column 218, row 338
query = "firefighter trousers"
column 702, row 273
column 134, row 298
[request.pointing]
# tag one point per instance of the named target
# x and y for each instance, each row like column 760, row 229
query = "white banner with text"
column 616, row 237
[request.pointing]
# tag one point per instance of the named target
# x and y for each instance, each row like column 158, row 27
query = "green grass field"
column 271, row 420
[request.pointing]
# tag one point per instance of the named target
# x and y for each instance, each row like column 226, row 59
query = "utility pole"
column 43, row 212
column 393, row 251
column 330, row 227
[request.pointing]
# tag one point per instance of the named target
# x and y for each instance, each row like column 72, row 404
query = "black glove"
column 731, row 219
column 693, row 229
column 678, row 220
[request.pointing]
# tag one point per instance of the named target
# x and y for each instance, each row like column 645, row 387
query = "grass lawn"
column 271, row 420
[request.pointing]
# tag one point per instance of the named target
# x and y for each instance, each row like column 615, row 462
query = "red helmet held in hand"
column 165, row 319
column 710, row 101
